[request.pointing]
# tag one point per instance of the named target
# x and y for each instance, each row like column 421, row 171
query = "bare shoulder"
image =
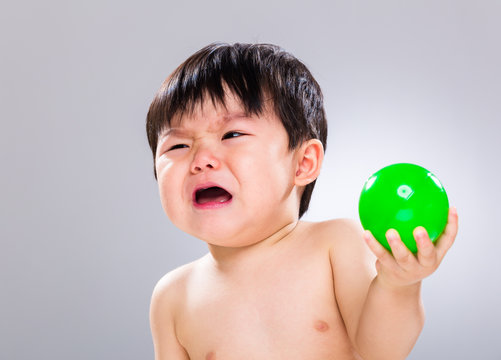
column 339, row 234
column 170, row 291
column 172, row 281
column 167, row 300
column 168, row 296
column 344, row 240
column 338, row 225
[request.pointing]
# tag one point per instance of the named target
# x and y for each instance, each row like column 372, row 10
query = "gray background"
column 83, row 236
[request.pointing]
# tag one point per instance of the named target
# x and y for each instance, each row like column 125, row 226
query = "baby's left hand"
column 403, row 268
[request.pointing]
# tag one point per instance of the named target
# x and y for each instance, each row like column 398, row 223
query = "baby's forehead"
column 218, row 113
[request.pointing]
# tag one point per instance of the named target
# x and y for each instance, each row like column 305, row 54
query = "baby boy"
column 238, row 134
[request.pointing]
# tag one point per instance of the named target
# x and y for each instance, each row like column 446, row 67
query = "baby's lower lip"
column 212, row 204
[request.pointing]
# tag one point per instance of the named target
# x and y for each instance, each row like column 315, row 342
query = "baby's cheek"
column 165, row 204
column 167, row 199
column 174, row 213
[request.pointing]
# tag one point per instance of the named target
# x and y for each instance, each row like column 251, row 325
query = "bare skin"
column 273, row 287
column 275, row 302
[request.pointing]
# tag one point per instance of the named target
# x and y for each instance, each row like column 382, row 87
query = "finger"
column 384, row 256
column 427, row 254
column 449, row 235
column 403, row 256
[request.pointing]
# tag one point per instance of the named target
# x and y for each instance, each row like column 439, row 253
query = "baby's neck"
column 228, row 259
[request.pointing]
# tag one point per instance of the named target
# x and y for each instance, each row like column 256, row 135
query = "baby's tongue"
column 213, row 194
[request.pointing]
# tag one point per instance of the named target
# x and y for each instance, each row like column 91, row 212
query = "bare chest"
column 282, row 310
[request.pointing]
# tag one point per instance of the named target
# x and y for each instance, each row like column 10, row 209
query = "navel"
column 210, row 356
column 321, row 326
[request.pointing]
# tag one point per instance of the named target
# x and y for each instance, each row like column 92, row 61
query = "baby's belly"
column 291, row 315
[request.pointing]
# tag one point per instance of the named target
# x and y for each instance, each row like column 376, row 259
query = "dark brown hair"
column 252, row 72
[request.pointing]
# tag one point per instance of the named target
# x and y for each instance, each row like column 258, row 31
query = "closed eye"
column 177, row 146
column 232, row 134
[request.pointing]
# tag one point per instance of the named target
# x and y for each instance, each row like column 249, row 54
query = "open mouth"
column 212, row 195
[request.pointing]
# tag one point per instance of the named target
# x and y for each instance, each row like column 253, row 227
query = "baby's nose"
column 204, row 160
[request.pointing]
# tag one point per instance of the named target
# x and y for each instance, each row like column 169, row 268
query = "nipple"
column 321, row 326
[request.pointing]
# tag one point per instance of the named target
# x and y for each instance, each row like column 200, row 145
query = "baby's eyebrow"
column 180, row 132
column 164, row 135
column 171, row 131
column 236, row 115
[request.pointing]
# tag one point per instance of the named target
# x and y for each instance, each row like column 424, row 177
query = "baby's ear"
column 309, row 161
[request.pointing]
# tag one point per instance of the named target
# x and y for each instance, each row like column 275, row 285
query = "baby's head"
column 254, row 74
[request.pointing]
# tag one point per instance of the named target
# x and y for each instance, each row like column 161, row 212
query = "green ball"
column 403, row 197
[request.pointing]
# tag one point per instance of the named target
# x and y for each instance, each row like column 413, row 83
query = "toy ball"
column 403, row 197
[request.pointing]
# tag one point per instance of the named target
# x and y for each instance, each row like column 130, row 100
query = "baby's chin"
column 228, row 227
column 225, row 235
column 227, row 243
column 245, row 236
column 223, row 240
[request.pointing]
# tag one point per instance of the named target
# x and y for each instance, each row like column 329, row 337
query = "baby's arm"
column 384, row 316
column 167, row 346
